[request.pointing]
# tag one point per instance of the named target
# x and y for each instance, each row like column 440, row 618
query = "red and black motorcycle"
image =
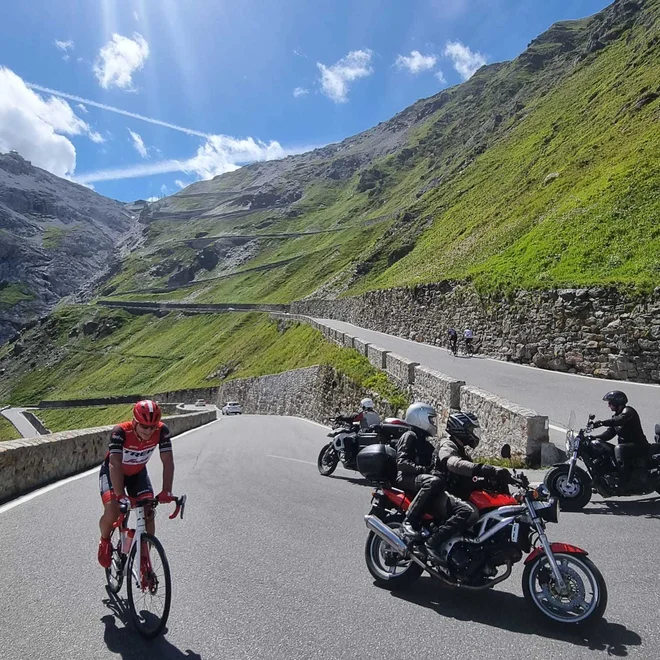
column 558, row 578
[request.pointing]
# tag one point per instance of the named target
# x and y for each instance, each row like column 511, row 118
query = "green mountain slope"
column 535, row 173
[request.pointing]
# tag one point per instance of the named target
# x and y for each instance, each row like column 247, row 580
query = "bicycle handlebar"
column 153, row 501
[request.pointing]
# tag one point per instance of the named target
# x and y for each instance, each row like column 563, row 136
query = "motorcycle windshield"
column 572, row 421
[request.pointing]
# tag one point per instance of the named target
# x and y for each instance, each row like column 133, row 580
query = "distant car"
column 232, row 408
column 200, row 402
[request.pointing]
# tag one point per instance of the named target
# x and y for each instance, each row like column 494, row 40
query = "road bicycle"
column 453, row 347
column 140, row 558
column 468, row 347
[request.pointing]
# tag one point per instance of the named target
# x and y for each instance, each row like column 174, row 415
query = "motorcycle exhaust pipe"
column 387, row 534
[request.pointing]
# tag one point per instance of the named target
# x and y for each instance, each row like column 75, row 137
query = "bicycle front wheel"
column 149, row 587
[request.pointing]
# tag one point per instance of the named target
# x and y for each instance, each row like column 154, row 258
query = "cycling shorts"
column 136, row 485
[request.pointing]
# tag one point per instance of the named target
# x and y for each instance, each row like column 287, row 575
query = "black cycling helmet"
column 618, row 398
column 465, row 428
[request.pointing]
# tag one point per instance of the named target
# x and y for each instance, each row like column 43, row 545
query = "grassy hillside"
column 66, row 419
column 535, row 173
column 7, row 430
column 81, row 352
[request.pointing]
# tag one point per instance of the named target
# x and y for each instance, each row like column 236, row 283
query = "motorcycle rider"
column 367, row 416
column 454, row 462
column 625, row 424
column 414, row 458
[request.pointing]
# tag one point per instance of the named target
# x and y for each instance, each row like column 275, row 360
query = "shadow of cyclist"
column 512, row 613
column 128, row 643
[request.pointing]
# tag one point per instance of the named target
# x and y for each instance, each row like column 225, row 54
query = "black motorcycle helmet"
column 465, row 428
column 617, row 398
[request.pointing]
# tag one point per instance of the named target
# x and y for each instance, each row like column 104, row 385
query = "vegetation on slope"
column 536, row 173
column 8, row 430
column 84, row 417
column 80, row 353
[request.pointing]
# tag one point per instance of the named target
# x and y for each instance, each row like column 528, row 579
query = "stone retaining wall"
column 29, row 463
column 315, row 393
column 602, row 332
column 503, row 421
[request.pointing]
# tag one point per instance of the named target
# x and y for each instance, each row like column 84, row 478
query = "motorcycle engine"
column 465, row 558
column 504, row 552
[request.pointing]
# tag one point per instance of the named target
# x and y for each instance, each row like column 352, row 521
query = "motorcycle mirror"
column 592, row 417
column 505, row 452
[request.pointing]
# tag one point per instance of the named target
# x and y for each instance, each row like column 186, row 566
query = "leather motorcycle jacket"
column 626, row 425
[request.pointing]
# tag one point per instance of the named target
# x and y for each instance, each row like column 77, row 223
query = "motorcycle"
column 559, row 579
column 348, row 439
column 574, row 486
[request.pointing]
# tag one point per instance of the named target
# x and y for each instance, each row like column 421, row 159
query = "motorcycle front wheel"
column 573, row 495
column 585, row 598
column 327, row 460
column 389, row 569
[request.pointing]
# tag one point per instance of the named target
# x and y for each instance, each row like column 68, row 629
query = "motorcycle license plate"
column 514, row 532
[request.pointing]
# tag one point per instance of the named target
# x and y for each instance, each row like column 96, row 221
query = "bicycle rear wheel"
column 149, row 587
column 115, row 574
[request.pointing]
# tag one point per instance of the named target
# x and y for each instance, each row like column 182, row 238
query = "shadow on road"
column 127, row 642
column 510, row 612
column 357, row 481
column 648, row 508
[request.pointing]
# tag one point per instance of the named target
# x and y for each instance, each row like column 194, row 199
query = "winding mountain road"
column 550, row 393
column 268, row 563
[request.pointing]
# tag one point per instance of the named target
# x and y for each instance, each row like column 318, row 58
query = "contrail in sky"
column 119, row 111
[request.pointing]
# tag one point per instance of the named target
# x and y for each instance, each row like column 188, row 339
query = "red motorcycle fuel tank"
column 484, row 500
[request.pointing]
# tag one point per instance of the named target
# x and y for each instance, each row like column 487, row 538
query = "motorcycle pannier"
column 377, row 463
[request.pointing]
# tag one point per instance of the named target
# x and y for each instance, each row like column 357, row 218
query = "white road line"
column 286, row 458
column 87, row 473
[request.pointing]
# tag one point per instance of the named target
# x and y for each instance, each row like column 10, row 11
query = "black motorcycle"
column 573, row 486
column 348, row 439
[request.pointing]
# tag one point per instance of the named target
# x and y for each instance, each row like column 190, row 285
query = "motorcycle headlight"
column 548, row 510
column 570, row 441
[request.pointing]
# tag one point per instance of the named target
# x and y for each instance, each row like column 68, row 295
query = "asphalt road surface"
column 268, row 563
column 25, row 429
column 550, row 393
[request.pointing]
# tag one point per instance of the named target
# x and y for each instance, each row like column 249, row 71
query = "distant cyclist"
column 453, row 340
column 468, row 337
column 125, row 469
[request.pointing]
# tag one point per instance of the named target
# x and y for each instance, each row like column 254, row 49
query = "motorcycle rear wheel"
column 327, row 460
column 572, row 496
column 378, row 555
column 584, row 604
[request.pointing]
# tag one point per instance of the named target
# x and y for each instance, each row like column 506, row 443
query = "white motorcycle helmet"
column 422, row 416
column 367, row 404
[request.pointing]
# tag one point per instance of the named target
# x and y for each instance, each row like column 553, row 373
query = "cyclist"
column 453, row 340
column 125, row 469
column 468, row 337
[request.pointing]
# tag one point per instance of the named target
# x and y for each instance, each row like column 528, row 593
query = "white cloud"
column 335, row 79
column 219, row 154
column 119, row 59
column 82, row 108
column 135, row 15
column 297, row 53
column 96, row 137
column 300, row 91
column 152, row 199
column 36, row 128
column 466, row 61
column 416, row 62
column 181, row 184
column 138, row 143
column 163, row 190
column 440, row 76
column 64, row 45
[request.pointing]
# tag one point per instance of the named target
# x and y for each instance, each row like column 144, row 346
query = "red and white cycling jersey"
column 135, row 452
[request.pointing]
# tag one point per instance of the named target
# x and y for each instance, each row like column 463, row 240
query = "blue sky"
column 226, row 72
